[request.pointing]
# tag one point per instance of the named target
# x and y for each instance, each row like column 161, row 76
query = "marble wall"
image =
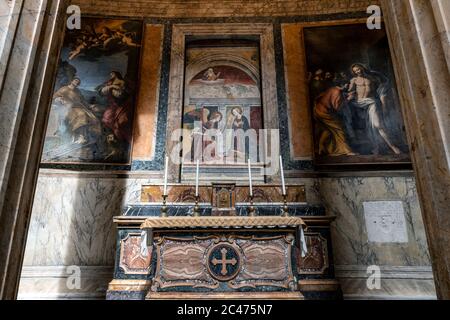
column 405, row 267
column 72, row 225
column 72, row 219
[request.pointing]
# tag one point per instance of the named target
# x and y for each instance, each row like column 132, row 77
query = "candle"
column 196, row 178
column 250, row 178
column 282, row 176
column 165, row 176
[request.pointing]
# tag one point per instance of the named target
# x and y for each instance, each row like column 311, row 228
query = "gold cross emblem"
column 224, row 261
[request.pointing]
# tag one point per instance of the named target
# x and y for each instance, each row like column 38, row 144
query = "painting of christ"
column 353, row 96
column 92, row 108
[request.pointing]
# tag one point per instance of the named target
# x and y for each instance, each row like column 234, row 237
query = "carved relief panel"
column 316, row 259
column 224, row 263
column 134, row 258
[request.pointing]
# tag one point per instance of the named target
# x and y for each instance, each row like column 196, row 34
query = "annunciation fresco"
column 93, row 101
column 353, row 96
column 222, row 101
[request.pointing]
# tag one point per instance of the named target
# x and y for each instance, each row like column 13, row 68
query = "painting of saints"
column 355, row 106
column 222, row 103
column 91, row 118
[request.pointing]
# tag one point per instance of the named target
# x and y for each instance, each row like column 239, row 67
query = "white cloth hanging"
column 303, row 246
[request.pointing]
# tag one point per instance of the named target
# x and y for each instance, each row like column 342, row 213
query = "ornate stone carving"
column 217, row 195
column 267, row 262
column 239, row 261
column 316, row 259
column 224, row 261
column 224, row 199
column 181, row 262
column 132, row 260
column 271, row 194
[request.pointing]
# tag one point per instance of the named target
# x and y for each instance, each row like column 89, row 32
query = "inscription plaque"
column 385, row 221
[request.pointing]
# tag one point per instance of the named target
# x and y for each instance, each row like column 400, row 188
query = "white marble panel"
column 344, row 198
column 385, row 221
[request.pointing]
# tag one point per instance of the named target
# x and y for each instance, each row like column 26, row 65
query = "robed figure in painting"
column 236, row 121
column 332, row 140
column 76, row 114
column 118, row 114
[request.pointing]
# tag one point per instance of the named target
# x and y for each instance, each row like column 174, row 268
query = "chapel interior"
column 284, row 149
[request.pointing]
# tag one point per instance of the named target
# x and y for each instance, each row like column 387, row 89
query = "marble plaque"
column 385, row 221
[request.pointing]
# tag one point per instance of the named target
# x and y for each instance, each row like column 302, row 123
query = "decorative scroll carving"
column 316, row 260
column 132, row 261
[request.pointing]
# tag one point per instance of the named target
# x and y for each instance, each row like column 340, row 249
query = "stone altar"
column 223, row 257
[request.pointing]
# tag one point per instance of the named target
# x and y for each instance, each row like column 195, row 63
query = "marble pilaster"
column 418, row 34
column 26, row 74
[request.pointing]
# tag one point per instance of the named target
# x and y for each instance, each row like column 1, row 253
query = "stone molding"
column 177, row 74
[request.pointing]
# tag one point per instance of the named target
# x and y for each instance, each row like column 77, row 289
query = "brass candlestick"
column 251, row 208
column 164, row 206
column 285, row 208
column 197, row 207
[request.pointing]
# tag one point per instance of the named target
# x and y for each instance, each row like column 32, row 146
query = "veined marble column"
column 419, row 35
column 30, row 39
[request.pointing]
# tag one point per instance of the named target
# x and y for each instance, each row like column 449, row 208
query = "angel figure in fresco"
column 367, row 95
column 118, row 114
column 210, row 75
column 211, row 126
column 76, row 113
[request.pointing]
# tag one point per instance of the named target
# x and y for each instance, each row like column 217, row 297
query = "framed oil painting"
column 222, row 97
column 353, row 96
column 91, row 116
